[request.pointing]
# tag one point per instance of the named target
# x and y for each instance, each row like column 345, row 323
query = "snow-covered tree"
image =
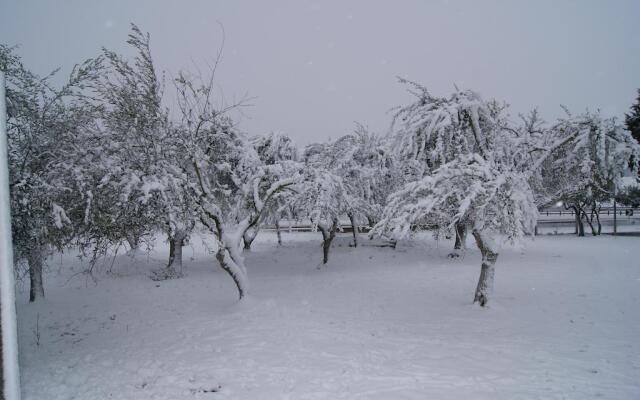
column 231, row 187
column 365, row 165
column 274, row 149
column 432, row 131
column 322, row 199
column 629, row 195
column 482, row 176
column 632, row 119
column 585, row 171
column 281, row 176
column 141, row 190
column 46, row 127
column 322, row 196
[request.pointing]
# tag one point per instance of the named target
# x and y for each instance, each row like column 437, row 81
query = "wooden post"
column 10, row 370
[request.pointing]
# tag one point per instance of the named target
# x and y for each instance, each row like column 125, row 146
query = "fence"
column 551, row 221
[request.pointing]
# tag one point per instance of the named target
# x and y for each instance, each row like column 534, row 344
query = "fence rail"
column 549, row 219
column 622, row 211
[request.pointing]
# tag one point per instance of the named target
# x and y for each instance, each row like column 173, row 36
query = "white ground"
column 374, row 324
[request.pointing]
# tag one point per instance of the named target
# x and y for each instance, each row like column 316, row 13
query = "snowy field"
column 375, row 323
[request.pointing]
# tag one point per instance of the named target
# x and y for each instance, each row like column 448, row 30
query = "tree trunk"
column 327, row 237
column 248, row 237
column 175, row 253
column 371, row 221
column 231, row 261
column 461, row 238
column 579, row 224
column 595, row 213
column 36, row 260
column 589, row 222
column 229, row 255
column 133, row 241
column 489, row 257
column 354, row 228
column 174, row 265
column 278, row 233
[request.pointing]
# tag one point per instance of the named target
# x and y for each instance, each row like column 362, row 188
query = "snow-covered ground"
column 375, row 323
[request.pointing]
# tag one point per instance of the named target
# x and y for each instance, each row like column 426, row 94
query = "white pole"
column 10, row 367
column 615, row 211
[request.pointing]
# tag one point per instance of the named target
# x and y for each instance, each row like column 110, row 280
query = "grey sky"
column 318, row 66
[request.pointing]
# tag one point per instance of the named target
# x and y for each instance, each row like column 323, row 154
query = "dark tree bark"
column 487, row 272
column 36, row 261
column 579, row 224
column 354, row 228
column 461, row 238
column 174, row 265
column 371, row 221
column 595, row 213
column 278, row 233
column 589, row 222
column 172, row 252
column 175, row 252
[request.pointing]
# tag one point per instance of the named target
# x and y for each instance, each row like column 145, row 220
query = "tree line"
column 107, row 160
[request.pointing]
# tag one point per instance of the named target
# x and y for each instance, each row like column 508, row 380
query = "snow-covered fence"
column 344, row 226
column 604, row 211
column 550, row 221
column 555, row 221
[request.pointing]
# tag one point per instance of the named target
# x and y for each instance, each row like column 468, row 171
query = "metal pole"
column 10, row 367
column 615, row 214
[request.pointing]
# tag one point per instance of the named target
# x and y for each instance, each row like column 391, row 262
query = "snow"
column 375, row 323
column 629, row 182
column 59, row 216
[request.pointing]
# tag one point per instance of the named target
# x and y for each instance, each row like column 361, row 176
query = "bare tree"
column 229, row 184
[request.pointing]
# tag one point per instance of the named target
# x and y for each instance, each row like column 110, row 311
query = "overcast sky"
column 315, row 67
